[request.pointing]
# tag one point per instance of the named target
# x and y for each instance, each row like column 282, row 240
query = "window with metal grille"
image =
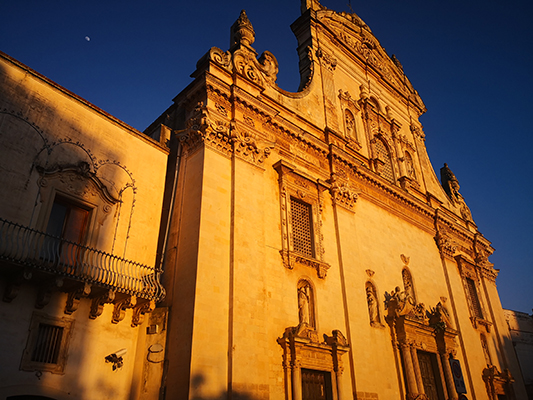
column 302, row 228
column 47, row 344
column 383, row 154
column 474, row 299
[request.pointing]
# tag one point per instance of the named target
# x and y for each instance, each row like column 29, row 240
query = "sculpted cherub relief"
column 398, row 302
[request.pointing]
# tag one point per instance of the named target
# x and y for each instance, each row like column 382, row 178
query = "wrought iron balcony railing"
column 31, row 248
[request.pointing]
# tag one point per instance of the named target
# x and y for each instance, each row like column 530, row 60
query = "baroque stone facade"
column 283, row 221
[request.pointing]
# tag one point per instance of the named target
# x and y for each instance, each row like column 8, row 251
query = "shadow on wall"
column 198, row 381
column 32, row 129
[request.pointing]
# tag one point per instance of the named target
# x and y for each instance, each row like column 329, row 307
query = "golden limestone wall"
column 310, row 233
column 55, row 144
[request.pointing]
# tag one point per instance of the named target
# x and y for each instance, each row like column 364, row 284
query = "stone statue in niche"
column 409, row 166
column 304, row 304
column 373, row 310
column 349, row 120
column 451, row 187
column 444, row 314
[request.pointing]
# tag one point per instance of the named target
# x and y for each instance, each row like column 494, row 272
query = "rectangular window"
column 316, row 385
column 47, row 344
column 474, row 299
column 302, row 228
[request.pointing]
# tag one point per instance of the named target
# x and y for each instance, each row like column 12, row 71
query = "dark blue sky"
column 471, row 62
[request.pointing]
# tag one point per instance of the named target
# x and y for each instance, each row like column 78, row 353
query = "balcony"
column 25, row 251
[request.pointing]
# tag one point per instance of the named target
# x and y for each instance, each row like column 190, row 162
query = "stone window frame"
column 467, row 271
column 73, row 185
column 298, row 185
column 56, row 368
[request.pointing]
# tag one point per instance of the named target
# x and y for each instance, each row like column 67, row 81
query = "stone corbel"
column 12, row 288
column 97, row 304
column 74, row 297
column 139, row 312
column 119, row 311
column 45, row 292
column 202, row 129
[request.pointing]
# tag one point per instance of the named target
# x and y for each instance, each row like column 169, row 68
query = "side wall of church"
column 56, row 145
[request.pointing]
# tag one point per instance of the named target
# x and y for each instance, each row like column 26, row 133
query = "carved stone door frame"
column 303, row 350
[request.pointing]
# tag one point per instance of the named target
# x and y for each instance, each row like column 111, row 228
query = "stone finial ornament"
column 451, row 187
column 242, row 32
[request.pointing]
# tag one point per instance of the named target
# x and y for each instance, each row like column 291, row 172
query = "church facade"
column 276, row 246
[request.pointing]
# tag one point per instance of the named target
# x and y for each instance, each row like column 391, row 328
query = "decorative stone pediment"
column 355, row 35
column 79, row 180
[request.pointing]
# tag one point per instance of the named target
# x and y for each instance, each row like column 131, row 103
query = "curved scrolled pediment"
column 350, row 32
column 79, row 180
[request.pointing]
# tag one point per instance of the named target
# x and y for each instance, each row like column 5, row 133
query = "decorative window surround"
column 47, row 345
column 296, row 188
column 471, row 285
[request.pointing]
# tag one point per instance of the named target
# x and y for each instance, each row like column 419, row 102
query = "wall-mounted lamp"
column 116, row 358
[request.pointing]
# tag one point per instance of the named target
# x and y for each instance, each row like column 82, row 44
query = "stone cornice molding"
column 392, row 198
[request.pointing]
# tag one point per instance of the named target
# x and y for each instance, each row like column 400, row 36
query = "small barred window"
column 47, row 344
column 302, row 228
column 474, row 299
